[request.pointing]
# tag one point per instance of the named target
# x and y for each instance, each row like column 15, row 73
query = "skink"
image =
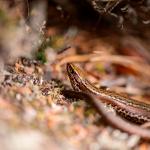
column 128, row 108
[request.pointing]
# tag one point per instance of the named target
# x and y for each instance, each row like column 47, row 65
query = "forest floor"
column 33, row 112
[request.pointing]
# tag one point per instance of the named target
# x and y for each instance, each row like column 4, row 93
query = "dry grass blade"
column 127, row 61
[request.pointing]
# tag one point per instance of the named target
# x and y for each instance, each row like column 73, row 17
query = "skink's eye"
column 71, row 71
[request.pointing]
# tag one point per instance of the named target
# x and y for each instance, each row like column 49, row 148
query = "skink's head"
column 78, row 80
column 75, row 75
column 72, row 69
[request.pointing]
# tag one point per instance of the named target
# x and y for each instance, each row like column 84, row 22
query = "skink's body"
column 128, row 108
column 112, row 119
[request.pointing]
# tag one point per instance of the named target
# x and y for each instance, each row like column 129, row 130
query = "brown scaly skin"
column 110, row 118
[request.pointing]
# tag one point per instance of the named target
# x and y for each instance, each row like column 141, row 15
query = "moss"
column 40, row 55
